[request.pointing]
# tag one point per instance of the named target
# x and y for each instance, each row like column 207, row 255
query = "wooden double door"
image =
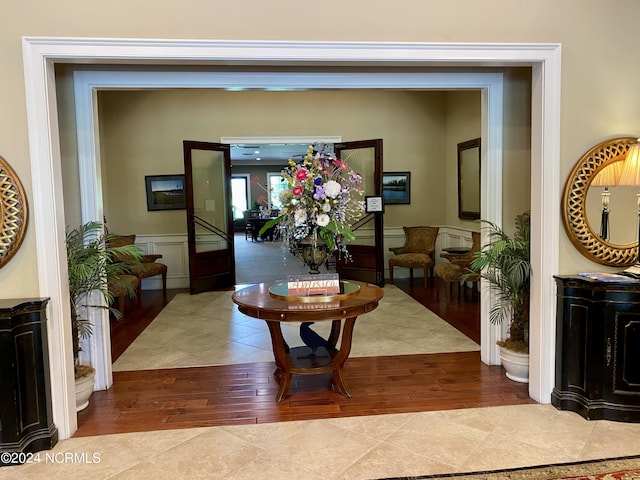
column 210, row 229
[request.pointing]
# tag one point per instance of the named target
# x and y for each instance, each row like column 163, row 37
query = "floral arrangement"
column 321, row 202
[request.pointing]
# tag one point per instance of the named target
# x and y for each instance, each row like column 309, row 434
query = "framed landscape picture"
column 165, row 192
column 396, row 187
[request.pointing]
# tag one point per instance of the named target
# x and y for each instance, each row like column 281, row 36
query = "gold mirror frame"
column 14, row 213
column 574, row 200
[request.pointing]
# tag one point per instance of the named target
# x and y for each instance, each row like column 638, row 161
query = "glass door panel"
column 209, row 216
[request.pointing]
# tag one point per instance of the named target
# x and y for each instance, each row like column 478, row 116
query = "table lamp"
column 631, row 177
column 609, row 176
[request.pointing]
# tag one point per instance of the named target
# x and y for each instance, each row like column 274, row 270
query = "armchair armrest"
column 397, row 250
column 150, row 257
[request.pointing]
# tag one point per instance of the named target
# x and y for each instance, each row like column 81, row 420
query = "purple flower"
column 319, row 193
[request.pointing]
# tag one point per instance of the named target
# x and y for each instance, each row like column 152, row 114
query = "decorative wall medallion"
column 14, row 213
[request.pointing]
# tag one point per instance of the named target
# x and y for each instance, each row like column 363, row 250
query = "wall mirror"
column 582, row 207
column 469, row 179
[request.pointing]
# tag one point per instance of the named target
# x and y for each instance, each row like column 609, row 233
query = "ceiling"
column 268, row 153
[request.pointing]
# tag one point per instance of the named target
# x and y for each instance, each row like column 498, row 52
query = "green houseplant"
column 92, row 264
column 505, row 263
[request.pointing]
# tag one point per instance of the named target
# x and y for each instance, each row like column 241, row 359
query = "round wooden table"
column 258, row 302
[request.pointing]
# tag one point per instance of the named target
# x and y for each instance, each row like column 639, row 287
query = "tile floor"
column 347, row 448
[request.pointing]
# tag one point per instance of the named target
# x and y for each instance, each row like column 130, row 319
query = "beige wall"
column 142, row 134
column 599, row 62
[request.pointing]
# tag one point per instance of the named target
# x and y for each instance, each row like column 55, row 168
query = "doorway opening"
column 42, row 54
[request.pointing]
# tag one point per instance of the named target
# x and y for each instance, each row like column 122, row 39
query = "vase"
column 313, row 253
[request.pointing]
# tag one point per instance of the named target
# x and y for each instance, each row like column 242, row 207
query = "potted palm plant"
column 92, row 265
column 505, row 263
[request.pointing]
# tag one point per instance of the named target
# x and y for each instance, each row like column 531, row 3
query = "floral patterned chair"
column 148, row 266
column 119, row 291
column 449, row 273
column 417, row 252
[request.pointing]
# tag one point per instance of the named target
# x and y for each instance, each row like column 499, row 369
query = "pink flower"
column 297, row 190
column 340, row 164
column 302, row 174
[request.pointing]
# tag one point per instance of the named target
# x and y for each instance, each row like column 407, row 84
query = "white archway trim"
column 41, row 53
column 87, row 83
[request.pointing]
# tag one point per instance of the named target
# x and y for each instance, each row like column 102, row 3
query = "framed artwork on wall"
column 165, row 192
column 396, row 187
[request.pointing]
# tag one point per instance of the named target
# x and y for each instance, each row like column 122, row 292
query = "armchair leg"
column 164, row 283
column 391, row 274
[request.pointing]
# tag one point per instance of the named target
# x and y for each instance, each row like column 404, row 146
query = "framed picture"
column 396, row 187
column 374, row 204
column 165, row 192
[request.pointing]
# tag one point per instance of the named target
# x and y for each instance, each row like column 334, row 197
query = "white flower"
column 332, row 188
column 326, row 207
column 322, row 220
column 300, row 216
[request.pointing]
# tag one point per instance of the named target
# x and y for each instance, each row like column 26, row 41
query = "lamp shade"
column 631, row 172
column 609, row 176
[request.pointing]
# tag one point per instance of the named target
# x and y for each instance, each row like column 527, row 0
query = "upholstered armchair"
column 450, row 273
column 148, row 267
column 417, row 252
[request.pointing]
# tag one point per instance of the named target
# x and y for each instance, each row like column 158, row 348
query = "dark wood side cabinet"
column 598, row 348
column 26, row 420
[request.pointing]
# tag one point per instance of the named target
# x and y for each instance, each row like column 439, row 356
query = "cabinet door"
column 579, row 347
column 622, row 355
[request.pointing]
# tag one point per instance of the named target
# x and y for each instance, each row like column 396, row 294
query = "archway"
column 41, row 54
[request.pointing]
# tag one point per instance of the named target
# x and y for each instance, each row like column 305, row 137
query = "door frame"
column 41, row 54
column 378, row 218
column 200, row 262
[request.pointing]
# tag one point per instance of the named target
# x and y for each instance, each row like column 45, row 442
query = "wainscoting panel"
column 175, row 255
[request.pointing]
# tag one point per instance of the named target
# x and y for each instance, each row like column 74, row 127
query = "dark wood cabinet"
column 598, row 348
column 26, row 420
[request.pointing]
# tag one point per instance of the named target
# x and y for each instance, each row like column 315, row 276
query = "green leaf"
column 270, row 223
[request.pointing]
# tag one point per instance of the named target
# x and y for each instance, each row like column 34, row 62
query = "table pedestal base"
column 301, row 361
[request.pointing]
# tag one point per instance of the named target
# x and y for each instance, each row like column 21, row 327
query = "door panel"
column 367, row 250
column 207, row 169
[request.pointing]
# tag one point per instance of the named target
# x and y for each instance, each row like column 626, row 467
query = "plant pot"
column 516, row 365
column 84, row 386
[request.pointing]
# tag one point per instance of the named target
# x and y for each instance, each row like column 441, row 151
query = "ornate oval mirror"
column 14, row 212
column 583, row 203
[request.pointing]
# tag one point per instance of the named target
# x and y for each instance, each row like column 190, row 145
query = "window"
column 276, row 185
column 239, row 195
